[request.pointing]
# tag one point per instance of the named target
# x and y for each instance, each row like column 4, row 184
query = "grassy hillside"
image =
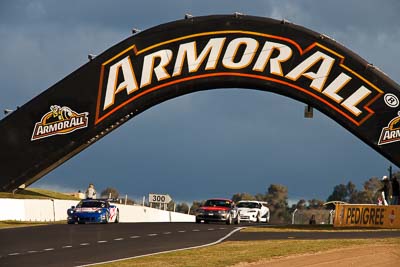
column 36, row 193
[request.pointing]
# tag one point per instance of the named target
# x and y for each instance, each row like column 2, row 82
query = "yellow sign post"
column 351, row 215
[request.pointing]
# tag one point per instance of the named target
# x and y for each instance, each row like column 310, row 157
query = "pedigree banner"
column 373, row 216
column 190, row 55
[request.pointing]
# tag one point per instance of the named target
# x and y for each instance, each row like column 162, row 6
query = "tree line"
column 277, row 198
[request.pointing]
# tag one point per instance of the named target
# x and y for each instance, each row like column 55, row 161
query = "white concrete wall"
column 56, row 210
column 12, row 209
column 129, row 213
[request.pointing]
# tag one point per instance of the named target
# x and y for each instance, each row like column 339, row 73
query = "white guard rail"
column 44, row 210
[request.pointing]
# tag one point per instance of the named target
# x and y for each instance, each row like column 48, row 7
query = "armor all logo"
column 391, row 133
column 59, row 120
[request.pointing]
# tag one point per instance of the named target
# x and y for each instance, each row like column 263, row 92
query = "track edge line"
column 168, row 251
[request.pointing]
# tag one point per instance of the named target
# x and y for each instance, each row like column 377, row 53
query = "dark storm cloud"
column 369, row 28
column 235, row 140
column 366, row 15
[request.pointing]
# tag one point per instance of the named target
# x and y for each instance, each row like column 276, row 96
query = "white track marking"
column 32, row 251
column 174, row 250
column 152, row 234
column 102, row 241
column 84, row 244
column 182, row 231
column 13, row 254
column 195, row 230
column 134, row 236
column 166, row 233
column 210, row 229
column 48, row 249
column 119, row 239
column 66, row 247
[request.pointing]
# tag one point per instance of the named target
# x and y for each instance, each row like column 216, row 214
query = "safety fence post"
column 294, row 212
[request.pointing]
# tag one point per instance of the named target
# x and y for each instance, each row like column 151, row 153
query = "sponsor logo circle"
column 391, row 100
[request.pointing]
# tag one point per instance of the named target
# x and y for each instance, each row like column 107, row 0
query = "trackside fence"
column 322, row 216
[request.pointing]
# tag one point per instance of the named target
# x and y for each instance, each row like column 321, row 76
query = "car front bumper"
column 86, row 218
column 212, row 217
column 251, row 217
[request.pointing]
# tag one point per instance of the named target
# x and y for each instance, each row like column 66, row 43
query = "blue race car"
column 93, row 211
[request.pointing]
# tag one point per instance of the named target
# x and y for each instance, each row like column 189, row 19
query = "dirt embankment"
column 361, row 256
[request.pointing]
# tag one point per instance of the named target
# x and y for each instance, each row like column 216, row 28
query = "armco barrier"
column 43, row 210
column 12, row 209
column 374, row 216
column 145, row 214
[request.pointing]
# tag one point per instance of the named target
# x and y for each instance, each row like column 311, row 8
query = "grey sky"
column 213, row 143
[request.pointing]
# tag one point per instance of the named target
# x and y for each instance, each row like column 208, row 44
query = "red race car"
column 218, row 210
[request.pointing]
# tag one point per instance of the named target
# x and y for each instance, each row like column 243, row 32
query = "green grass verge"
column 14, row 224
column 36, row 193
column 230, row 253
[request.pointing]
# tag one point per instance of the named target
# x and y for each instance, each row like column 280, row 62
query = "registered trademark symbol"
column 391, row 100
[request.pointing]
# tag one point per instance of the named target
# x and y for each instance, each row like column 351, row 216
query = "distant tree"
column 301, row 204
column 195, row 206
column 182, row 208
column 352, row 193
column 171, row 205
column 372, row 190
column 349, row 193
column 242, row 196
column 130, row 201
column 277, row 198
column 315, row 204
column 292, row 208
column 106, row 193
column 261, row 197
column 361, row 197
column 368, row 195
column 339, row 193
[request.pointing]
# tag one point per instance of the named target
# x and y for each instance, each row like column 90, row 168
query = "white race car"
column 253, row 211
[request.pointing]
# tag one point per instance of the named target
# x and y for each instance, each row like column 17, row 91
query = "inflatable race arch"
column 199, row 53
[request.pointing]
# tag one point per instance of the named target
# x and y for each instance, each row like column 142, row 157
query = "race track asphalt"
column 240, row 236
column 77, row 245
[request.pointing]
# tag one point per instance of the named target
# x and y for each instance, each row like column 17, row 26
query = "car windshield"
column 91, row 204
column 217, row 203
column 250, row 205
